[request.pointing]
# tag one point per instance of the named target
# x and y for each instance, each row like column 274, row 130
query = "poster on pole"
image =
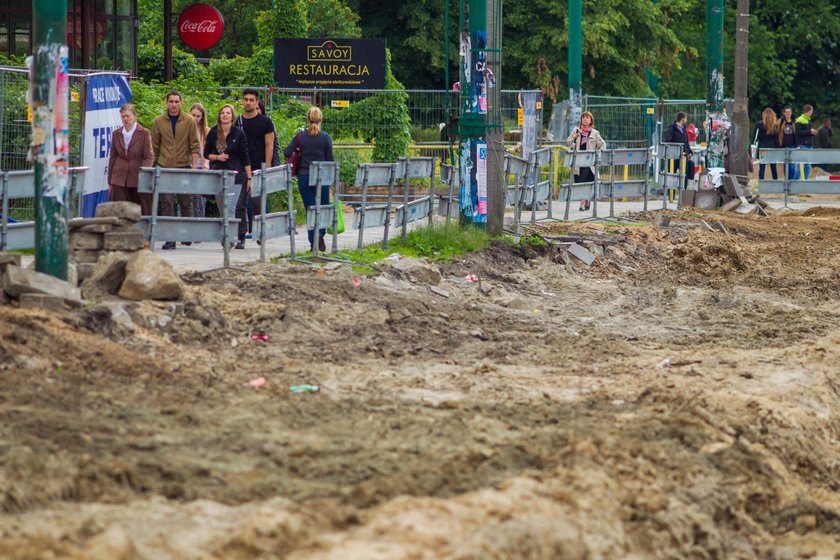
column 104, row 95
column 481, row 183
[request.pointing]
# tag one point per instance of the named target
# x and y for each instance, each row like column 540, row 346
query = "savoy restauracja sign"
column 331, row 63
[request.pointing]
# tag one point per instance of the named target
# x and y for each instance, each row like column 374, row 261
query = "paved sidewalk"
column 206, row 256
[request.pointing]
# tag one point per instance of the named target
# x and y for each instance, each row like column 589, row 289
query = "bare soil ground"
column 522, row 417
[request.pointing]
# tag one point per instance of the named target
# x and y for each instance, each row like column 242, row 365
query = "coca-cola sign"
column 200, row 26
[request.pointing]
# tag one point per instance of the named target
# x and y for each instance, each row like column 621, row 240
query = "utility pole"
column 740, row 140
column 575, row 61
column 716, row 120
column 472, row 126
column 495, row 137
column 50, row 142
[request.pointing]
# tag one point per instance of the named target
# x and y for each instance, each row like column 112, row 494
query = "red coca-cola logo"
column 200, row 26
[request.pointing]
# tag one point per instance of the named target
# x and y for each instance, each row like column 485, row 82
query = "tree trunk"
column 739, row 142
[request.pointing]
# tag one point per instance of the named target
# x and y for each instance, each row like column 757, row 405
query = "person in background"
column 315, row 145
column 676, row 133
column 823, row 140
column 175, row 142
column 787, row 134
column 131, row 149
column 227, row 148
column 767, row 134
column 259, row 130
column 585, row 137
column 199, row 113
column 805, row 137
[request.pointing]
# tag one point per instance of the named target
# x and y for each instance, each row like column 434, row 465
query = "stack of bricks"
column 113, row 229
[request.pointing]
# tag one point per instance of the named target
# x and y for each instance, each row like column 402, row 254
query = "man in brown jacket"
column 175, row 142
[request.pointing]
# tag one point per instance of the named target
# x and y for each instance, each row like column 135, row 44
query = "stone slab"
column 9, row 258
column 78, row 223
column 87, row 255
column 581, row 254
column 42, row 301
column 18, row 281
column 125, row 210
column 86, row 240
column 124, row 240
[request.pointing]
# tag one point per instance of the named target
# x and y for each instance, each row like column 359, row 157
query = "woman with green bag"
column 312, row 144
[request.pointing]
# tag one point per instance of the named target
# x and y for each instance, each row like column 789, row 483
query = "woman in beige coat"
column 585, row 137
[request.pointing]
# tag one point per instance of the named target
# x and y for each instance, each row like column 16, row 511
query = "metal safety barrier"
column 374, row 215
column 412, row 210
column 789, row 157
column 449, row 205
column 21, row 184
column 158, row 180
column 667, row 178
column 581, row 191
column 323, row 174
column 518, row 169
column 276, row 224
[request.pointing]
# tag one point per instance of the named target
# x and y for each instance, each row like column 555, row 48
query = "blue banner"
column 104, row 95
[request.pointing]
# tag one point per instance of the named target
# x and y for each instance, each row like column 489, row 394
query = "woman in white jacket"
column 585, row 137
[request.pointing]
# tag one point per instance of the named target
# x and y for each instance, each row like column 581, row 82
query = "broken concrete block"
column 118, row 313
column 148, row 276
column 17, row 281
column 106, row 277
column 79, row 223
column 439, row 291
column 96, row 228
column 581, row 254
column 731, row 205
column 125, row 210
column 42, row 301
column 9, row 258
column 704, row 225
column 661, row 220
column 87, row 255
column 416, row 269
column 83, row 240
column 124, row 240
column 84, row 270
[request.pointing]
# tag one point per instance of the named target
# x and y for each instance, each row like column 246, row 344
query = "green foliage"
column 286, row 20
column 332, row 18
column 229, row 70
column 184, row 64
column 440, row 242
column 382, row 118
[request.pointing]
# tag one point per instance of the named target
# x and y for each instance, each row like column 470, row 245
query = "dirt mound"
column 712, row 256
column 674, row 400
column 822, row 212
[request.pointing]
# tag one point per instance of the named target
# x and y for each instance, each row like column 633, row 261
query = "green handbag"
column 339, row 218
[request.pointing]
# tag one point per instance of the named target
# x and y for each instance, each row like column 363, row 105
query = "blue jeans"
column 806, row 167
column 307, row 193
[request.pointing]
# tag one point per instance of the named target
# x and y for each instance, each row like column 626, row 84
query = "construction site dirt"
column 677, row 399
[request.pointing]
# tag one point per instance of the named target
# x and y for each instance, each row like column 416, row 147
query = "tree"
column 332, row 18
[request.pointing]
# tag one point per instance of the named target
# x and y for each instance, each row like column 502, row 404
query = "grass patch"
column 439, row 242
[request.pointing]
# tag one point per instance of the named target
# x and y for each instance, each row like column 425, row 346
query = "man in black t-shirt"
column 259, row 130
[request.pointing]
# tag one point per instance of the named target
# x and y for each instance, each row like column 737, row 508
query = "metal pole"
column 575, row 59
column 168, row 74
column 714, row 83
column 50, row 142
column 263, row 208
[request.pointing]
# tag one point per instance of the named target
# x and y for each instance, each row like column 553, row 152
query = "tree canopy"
column 794, row 47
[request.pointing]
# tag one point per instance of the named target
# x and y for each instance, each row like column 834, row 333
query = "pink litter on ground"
column 356, row 282
column 258, row 382
column 470, row 278
column 263, row 337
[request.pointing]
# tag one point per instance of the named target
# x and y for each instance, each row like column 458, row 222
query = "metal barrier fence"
column 791, row 159
column 16, row 185
column 427, row 109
